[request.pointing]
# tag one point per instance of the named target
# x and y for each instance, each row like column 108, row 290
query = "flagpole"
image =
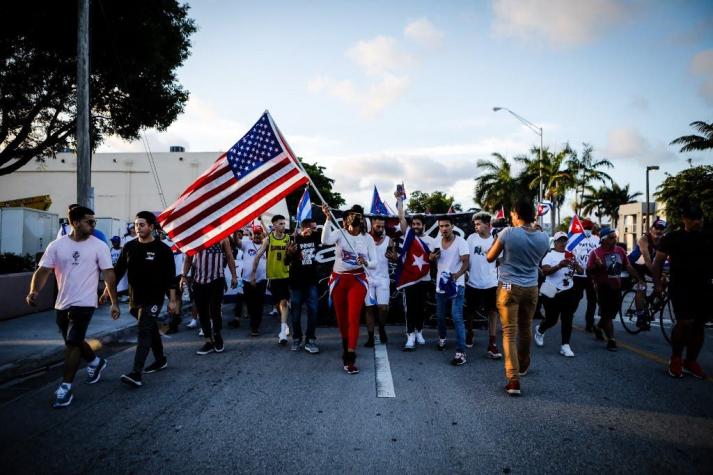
column 316, row 190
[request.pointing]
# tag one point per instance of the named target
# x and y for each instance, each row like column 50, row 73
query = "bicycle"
column 657, row 310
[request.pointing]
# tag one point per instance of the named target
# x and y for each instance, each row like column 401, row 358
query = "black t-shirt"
column 151, row 270
column 303, row 266
column 691, row 256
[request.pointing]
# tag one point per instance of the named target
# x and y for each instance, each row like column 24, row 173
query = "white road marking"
column 384, row 382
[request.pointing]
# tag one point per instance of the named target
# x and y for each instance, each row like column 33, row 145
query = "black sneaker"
column 218, row 344
column 383, row 336
column 156, row 366
column 94, row 373
column 611, row 345
column 458, row 359
column 132, row 379
column 441, row 345
column 369, row 343
column 598, row 333
column 207, row 347
column 469, row 340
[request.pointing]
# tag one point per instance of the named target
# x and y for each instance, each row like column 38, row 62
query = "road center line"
column 384, row 382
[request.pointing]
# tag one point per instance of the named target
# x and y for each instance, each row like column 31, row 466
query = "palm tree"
column 694, row 143
column 497, row 186
column 585, row 170
column 557, row 178
column 615, row 196
column 592, row 202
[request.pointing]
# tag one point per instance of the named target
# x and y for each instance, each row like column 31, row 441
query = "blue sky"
column 380, row 92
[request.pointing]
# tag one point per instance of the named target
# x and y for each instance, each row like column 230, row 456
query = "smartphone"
column 400, row 190
column 436, row 250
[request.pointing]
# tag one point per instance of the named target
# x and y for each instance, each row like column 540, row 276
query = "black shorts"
column 480, row 298
column 279, row 289
column 691, row 306
column 609, row 301
column 73, row 323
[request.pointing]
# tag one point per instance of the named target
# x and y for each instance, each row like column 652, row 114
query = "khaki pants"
column 516, row 308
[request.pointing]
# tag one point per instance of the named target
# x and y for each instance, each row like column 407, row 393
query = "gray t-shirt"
column 522, row 252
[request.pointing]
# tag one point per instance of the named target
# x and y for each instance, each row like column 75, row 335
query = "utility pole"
column 84, row 165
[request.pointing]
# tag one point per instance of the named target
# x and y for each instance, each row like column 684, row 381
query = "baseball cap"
column 587, row 224
column 115, row 239
column 560, row 235
column 605, row 231
column 659, row 223
column 257, row 229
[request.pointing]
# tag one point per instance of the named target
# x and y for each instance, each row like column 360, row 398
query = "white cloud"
column 702, row 65
column 422, row 31
column 563, row 23
column 628, row 143
column 379, row 55
column 370, row 100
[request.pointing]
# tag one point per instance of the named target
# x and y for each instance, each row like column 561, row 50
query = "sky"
column 384, row 92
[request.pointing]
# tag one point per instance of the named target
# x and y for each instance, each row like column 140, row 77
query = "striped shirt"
column 209, row 264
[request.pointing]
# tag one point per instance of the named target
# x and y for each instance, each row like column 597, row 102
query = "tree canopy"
column 693, row 143
column 689, row 186
column 324, row 184
column 135, row 49
column 434, row 203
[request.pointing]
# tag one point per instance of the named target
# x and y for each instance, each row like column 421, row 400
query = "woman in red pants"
column 354, row 252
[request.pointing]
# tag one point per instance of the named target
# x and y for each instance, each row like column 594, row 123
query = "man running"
column 451, row 255
column 414, row 301
column 605, row 265
column 76, row 261
column 151, row 269
column 208, row 289
column 642, row 258
column 482, row 282
column 378, row 296
column 583, row 283
column 689, row 250
column 301, row 256
column 278, row 272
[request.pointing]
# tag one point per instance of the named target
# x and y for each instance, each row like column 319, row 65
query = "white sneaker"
column 192, row 324
column 274, row 313
column 539, row 337
column 287, row 330
column 419, row 338
column 200, row 332
column 410, row 342
column 566, row 351
column 282, row 337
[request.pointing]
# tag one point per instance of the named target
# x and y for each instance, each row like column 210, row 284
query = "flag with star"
column 413, row 261
column 255, row 174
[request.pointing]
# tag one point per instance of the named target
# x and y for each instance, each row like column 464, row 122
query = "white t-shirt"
column 347, row 248
column 431, row 244
column 76, row 266
column 249, row 252
column 481, row 273
column 583, row 250
column 449, row 260
column 382, row 263
column 115, row 253
column 562, row 279
column 178, row 256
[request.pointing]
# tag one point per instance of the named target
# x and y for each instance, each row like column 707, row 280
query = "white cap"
column 560, row 234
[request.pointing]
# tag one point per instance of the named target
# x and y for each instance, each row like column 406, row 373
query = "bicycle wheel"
column 667, row 319
column 627, row 312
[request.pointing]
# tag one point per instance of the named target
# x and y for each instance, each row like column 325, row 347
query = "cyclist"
column 642, row 258
column 691, row 282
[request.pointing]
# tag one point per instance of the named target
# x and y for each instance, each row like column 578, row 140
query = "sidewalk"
column 33, row 341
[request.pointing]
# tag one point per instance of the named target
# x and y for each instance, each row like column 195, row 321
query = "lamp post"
column 648, row 210
column 538, row 131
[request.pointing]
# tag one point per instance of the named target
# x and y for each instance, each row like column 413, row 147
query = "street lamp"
column 648, row 210
column 538, row 131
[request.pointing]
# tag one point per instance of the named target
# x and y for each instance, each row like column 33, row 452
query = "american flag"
column 247, row 180
column 209, row 264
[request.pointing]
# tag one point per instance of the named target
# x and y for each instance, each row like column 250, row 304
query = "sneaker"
column 62, row 396
column 156, row 366
column 383, row 337
column 611, row 345
column 493, row 352
column 369, row 342
column 513, row 387
column 132, row 379
column 410, row 342
column 94, row 373
column 282, row 337
column 274, row 313
column 525, row 370
column 598, row 333
column 351, row 368
column 694, row 369
column 218, row 344
column 539, row 337
column 254, row 333
column 642, row 322
column 419, row 338
column 675, row 367
column 234, row 323
column 192, row 324
column 296, row 345
column 200, row 333
column 458, row 359
column 469, row 340
column 207, row 347
column 441, row 344
column 566, row 351
column 311, row 347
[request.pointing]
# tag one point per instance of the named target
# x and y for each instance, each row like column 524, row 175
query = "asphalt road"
column 261, row 408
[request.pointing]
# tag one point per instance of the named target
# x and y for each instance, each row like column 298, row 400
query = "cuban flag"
column 304, row 208
column 575, row 234
column 543, row 207
column 500, row 214
column 413, row 261
column 377, row 206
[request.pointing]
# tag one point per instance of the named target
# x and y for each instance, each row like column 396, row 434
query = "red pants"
column 348, row 297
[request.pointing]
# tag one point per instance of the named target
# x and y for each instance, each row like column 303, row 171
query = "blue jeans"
column 456, row 309
column 307, row 295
